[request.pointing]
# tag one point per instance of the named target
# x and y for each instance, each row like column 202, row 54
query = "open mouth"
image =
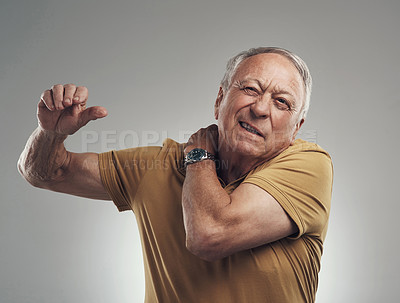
column 249, row 128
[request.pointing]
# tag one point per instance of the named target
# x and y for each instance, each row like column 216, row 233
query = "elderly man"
column 237, row 214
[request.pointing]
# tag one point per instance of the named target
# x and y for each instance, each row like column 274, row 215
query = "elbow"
column 205, row 245
column 24, row 172
column 30, row 179
column 29, row 176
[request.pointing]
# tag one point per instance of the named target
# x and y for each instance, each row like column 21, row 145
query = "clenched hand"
column 62, row 109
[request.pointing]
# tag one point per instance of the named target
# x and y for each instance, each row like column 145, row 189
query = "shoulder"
column 170, row 155
column 299, row 156
column 173, row 151
column 172, row 147
column 302, row 165
column 301, row 146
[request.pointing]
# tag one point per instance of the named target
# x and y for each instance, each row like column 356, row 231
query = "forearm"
column 43, row 157
column 205, row 205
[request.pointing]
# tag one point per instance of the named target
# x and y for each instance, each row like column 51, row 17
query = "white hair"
column 300, row 65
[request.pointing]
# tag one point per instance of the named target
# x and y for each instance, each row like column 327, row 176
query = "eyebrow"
column 278, row 90
column 275, row 90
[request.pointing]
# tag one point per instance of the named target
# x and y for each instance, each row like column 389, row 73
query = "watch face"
column 196, row 154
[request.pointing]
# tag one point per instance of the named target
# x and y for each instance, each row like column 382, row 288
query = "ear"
column 218, row 101
column 297, row 127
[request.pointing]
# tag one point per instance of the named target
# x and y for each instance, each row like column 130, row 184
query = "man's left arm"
column 219, row 224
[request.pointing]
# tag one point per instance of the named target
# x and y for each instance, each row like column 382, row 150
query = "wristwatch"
column 198, row 155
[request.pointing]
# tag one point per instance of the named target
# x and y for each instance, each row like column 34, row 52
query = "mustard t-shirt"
column 148, row 180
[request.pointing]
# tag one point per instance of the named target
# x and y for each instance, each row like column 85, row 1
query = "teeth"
column 249, row 128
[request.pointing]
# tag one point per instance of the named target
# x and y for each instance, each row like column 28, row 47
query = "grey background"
column 156, row 65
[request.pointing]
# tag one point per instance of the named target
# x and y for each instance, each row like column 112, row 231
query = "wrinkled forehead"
column 271, row 69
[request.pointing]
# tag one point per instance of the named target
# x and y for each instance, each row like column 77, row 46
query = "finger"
column 213, row 130
column 46, row 100
column 92, row 113
column 190, row 141
column 194, row 137
column 208, row 138
column 81, row 95
column 213, row 127
column 58, row 96
column 69, row 91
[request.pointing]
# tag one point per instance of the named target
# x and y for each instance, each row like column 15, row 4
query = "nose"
column 262, row 107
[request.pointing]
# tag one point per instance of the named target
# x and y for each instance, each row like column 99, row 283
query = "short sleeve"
column 122, row 171
column 301, row 181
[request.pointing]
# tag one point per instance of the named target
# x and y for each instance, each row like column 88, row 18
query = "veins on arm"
column 43, row 158
column 45, row 163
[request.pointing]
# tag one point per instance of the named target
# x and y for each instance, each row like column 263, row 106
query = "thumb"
column 92, row 113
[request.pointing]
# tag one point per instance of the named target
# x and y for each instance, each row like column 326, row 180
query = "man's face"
column 258, row 116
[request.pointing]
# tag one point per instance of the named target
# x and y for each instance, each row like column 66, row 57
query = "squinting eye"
column 282, row 103
column 250, row 90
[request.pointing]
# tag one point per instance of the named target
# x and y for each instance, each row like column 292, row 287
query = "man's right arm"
column 45, row 162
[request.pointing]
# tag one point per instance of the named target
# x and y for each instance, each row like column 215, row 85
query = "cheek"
column 233, row 103
column 281, row 119
column 283, row 124
column 227, row 114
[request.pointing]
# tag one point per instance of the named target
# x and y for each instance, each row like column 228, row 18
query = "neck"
column 233, row 166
